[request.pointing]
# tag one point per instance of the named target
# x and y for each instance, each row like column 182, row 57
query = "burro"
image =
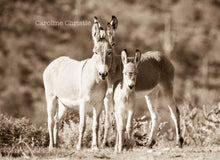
column 70, row 83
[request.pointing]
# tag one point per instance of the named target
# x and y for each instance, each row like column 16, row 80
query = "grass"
column 21, row 138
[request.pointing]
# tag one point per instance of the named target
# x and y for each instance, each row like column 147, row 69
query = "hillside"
column 186, row 30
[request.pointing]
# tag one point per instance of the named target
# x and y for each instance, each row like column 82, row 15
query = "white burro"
column 71, row 84
column 124, row 100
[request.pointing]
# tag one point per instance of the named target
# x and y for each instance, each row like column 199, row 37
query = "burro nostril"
column 103, row 74
column 131, row 86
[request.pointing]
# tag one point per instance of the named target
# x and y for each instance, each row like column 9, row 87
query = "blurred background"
column 187, row 31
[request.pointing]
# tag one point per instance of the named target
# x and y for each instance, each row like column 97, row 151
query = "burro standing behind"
column 70, row 83
column 124, row 99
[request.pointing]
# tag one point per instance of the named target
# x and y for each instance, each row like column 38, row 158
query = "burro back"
column 124, row 100
column 71, row 83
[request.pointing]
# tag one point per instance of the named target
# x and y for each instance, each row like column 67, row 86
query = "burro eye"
column 109, row 53
column 95, row 53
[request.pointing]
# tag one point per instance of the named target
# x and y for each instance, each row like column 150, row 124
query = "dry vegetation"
column 20, row 138
column 186, row 30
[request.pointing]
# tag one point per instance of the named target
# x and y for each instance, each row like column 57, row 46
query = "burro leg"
column 95, row 127
column 51, row 111
column 108, row 103
column 151, row 100
column 82, row 124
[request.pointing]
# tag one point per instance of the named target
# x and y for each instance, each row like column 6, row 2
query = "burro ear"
column 114, row 22
column 110, row 30
column 95, row 19
column 124, row 56
column 137, row 57
column 96, row 30
column 110, row 33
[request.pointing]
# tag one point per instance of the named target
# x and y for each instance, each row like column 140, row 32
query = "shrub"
column 12, row 129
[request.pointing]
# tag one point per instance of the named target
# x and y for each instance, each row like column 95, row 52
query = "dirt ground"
column 195, row 153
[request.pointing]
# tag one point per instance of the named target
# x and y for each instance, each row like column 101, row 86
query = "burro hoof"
column 78, row 147
column 180, row 142
column 104, row 145
column 51, row 148
column 95, row 148
column 151, row 143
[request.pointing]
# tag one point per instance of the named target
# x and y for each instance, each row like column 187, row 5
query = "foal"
column 124, row 99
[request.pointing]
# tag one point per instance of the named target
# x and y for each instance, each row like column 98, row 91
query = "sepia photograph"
column 108, row 79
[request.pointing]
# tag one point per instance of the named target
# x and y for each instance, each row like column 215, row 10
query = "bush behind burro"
column 13, row 129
